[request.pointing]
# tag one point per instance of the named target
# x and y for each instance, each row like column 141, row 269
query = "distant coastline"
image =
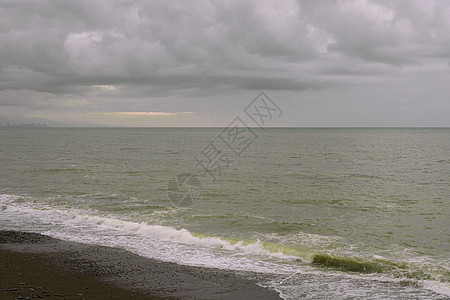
column 23, row 125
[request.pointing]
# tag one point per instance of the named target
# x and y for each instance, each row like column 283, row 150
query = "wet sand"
column 35, row 266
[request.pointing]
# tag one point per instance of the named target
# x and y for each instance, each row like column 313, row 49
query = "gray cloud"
column 52, row 53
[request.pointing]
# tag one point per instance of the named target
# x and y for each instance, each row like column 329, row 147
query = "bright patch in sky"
column 141, row 114
column 105, row 87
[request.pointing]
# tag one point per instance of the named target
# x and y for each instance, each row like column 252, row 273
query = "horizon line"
column 252, row 127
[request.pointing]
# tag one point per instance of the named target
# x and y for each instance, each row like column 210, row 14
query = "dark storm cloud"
column 49, row 46
column 61, row 49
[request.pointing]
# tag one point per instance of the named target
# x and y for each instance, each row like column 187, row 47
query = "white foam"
column 437, row 287
column 169, row 234
column 156, row 241
column 162, row 242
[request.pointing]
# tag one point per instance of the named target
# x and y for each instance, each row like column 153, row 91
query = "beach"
column 307, row 212
column 38, row 266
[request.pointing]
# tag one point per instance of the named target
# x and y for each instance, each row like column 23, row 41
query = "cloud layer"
column 95, row 56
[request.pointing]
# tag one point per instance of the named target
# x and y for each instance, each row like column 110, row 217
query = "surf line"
column 290, row 276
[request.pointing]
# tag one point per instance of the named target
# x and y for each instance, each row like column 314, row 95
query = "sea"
column 320, row 213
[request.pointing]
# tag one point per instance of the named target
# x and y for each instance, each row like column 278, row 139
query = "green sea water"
column 324, row 212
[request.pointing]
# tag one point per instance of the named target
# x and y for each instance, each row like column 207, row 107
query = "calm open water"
column 325, row 213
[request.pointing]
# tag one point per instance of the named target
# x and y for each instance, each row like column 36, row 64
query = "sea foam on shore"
column 141, row 277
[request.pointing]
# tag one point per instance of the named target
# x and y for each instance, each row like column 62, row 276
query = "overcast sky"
column 199, row 63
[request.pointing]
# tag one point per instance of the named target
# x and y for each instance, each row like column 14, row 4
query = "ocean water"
column 323, row 213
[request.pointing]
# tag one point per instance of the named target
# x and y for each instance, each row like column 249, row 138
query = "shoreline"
column 34, row 265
